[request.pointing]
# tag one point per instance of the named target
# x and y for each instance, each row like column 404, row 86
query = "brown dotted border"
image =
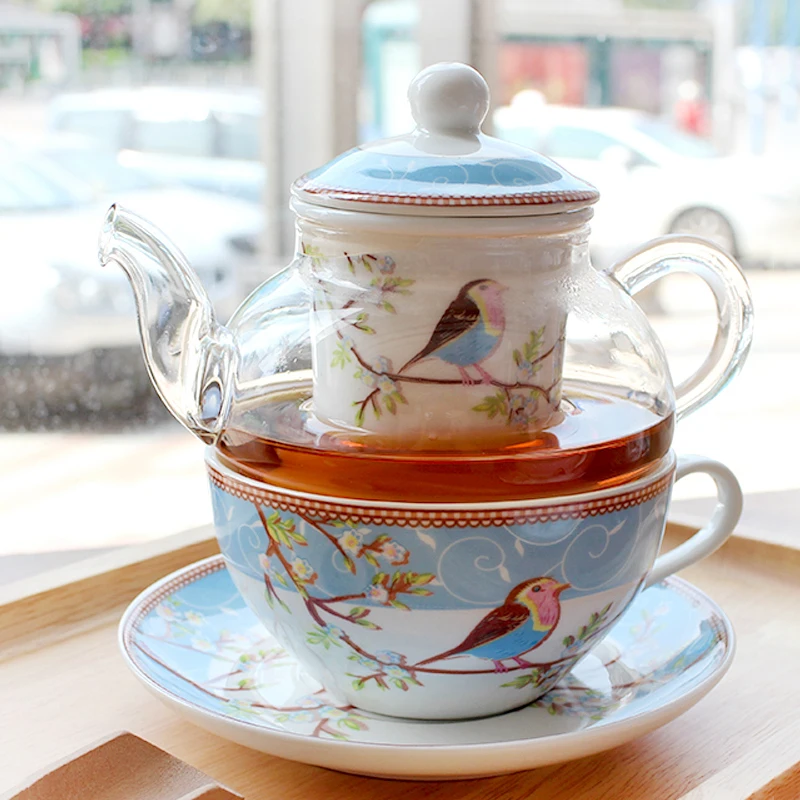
column 398, row 198
column 426, row 518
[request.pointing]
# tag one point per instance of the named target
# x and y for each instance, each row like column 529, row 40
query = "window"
column 163, row 113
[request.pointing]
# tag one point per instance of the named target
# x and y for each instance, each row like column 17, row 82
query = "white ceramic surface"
column 193, row 642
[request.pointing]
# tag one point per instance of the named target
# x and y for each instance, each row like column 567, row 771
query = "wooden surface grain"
column 744, row 736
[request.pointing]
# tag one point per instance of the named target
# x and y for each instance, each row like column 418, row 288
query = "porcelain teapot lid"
column 446, row 166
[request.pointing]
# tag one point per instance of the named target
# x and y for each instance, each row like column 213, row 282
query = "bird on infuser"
column 469, row 331
column 526, row 619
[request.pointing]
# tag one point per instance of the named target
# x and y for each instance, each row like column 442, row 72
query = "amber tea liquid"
column 597, row 441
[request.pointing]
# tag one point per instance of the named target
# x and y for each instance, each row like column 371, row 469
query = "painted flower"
column 329, row 712
column 522, row 408
column 263, row 561
column 302, row 716
column 350, row 540
column 386, row 385
column 386, row 264
column 194, row 618
column 368, row 378
column 203, row 645
column 395, row 553
column 395, row 671
column 334, row 632
column 347, row 342
column 390, row 657
column 367, row 663
column 377, row 593
column 527, row 369
column 310, row 701
column 303, row 571
column 166, row 612
column 382, row 364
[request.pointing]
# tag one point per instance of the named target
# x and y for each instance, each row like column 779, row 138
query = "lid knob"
column 449, row 98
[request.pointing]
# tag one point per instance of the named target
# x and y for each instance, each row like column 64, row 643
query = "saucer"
column 193, row 643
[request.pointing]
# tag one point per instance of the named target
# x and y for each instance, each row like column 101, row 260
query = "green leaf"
column 279, row 578
column 340, row 356
column 370, row 559
column 359, row 418
column 357, row 612
column 517, row 357
column 379, row 578
column 493, row 405
column 389, row 402
column 398, row 604
column 400, row 684
column 336, row 735
column 347, row 722
column 365, row 328
column 365, row 623
column 387, row 306
column 422, row 592
column 420, row 578
column 358, row 684
column 519, row 682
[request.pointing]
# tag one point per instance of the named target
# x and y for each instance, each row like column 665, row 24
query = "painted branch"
column 332, row 539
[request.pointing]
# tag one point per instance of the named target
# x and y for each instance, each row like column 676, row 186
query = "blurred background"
column 200, row 113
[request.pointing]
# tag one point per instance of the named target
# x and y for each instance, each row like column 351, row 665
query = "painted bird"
column 528, row 616
column 469, row 331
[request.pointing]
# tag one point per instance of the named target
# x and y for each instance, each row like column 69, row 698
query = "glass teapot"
column 441, row 304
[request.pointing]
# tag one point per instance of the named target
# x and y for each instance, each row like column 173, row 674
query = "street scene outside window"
column 198, row 114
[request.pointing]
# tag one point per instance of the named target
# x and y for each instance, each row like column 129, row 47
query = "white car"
column 59, row 307
column 654, row 179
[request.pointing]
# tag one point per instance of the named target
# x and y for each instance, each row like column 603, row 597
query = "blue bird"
column 528, row 616
column 469, row 331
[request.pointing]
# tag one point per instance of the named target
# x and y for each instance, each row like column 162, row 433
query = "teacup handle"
column 682, row 253
column 715, row 531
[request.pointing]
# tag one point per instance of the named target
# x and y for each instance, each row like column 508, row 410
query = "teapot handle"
column 678, row 253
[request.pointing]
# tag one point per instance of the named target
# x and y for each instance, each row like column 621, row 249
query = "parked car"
column 654, row 179
column 203, row 138
column 67, row 326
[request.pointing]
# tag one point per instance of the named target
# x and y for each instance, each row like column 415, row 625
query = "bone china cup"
column 446, row 611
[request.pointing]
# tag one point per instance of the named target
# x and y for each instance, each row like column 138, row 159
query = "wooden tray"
column 63, row 685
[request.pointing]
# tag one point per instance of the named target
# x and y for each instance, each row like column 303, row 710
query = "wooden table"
column 63, row 685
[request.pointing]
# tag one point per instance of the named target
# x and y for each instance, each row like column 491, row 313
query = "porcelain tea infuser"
column 440, row 439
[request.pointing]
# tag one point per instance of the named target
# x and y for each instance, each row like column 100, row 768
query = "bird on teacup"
column 528, row 616
column 469, row 331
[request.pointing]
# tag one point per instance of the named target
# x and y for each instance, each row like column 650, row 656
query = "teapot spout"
column 191, row 358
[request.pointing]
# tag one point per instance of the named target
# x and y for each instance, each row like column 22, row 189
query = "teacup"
column 446, row 611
